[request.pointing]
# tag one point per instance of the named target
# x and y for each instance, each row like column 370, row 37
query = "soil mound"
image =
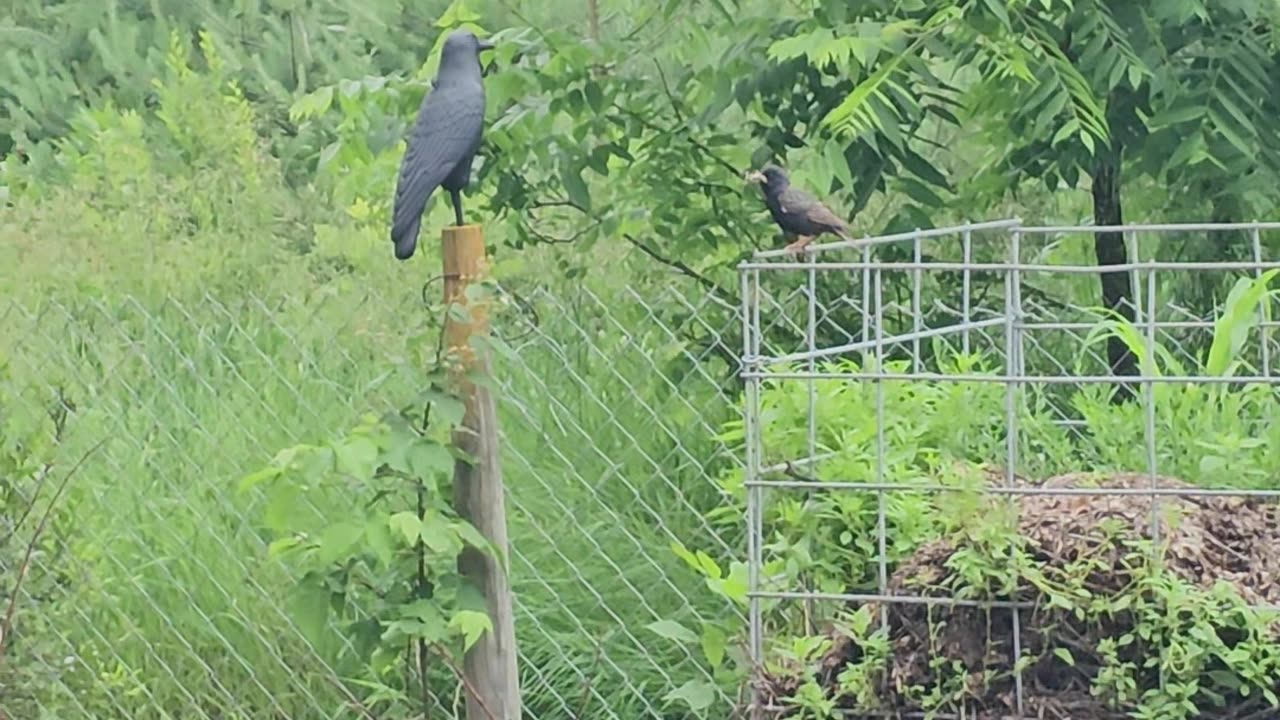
column 1090, row 549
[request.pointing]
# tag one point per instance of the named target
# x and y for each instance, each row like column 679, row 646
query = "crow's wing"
column 446, row 131
column 819, row 213
column 802, row 203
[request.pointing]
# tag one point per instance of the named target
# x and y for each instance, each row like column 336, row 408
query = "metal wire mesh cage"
column 980, row 468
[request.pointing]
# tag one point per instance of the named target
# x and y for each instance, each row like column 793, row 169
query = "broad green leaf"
column 445, row 408
column 471, row 536
column 377, row 533
column 708, row 565
column 685, row 554
column 436, row 532
column 253, row 479
column 358, row 456
column 280, row 513
column 697, row 694
column 672, row 630
column 734, row 586
column 571, row 177
column 714, row 641
column 407, row 525
column 425, row 610
column 472, row 625
column 428, row 459
column 283, row 545
column 337, row 540
column 309, row 608
column 428, row 632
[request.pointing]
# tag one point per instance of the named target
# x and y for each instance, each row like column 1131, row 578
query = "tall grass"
column 165, row 303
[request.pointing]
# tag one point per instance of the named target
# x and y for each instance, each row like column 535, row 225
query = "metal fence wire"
column 1055, row 416
column 888, row 381
column 154, row 594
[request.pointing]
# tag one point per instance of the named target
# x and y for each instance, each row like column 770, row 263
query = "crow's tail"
column 406, row 238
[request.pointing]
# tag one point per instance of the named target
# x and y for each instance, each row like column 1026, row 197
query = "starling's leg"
column 457, row 205
column 798, row 246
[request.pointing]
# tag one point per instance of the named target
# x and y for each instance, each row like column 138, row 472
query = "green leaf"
column 280, row 512
column 407, row 525
column 358, row 456
column 697, row 694
column 833, row 154
column 457, row 14
column 471, row 536
column 595, row 98
column 734, row 586
column 428, row 458
column 308, row 605
column 571, row 177
column 431, row 633
column 381, row 542
column 714, row 641
column 998, row 9
column 1239, row 316
column 336, row 540
column 283, row 545
column 436, row 532
column 856, row 113
column 672, row 630
column 684, row 554
column 428, row 611
column 328, row 153
column 472, row 625
column 312, row 104
column 798, row 45
column 253, row 479
column 1176, row 115
column 445, row 408
column 708, row 565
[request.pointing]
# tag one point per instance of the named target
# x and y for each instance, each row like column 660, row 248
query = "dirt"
column 1099, row 539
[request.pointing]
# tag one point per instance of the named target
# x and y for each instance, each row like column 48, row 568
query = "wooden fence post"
column 490, row 667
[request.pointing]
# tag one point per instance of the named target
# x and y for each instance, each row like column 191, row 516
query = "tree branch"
column 684, row 269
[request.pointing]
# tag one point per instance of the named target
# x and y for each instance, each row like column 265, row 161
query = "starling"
column 795, row 211
column 444, row 139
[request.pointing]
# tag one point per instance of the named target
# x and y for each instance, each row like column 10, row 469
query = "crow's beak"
column 485, row 44
column 755, row 176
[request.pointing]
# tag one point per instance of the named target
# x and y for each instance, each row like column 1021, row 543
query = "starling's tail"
column 843, row 233
column 406, row 239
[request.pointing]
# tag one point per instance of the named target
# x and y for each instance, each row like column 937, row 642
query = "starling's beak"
column 755, row 176
column 485, row 44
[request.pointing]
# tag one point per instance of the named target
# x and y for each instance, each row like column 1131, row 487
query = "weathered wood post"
column 490, row 666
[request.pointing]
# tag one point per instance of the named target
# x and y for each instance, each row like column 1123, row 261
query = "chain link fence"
column 628, row 464
column 154, row 594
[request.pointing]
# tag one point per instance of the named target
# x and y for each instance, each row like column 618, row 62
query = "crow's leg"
column 457, row 205
column 798, row 246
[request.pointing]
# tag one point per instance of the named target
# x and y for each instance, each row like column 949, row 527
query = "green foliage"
column 27, row 440
column 196, row 197
column 385, row 575
column 941, row 433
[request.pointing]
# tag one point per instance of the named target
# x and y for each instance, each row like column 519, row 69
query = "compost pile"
column 1207, row 539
